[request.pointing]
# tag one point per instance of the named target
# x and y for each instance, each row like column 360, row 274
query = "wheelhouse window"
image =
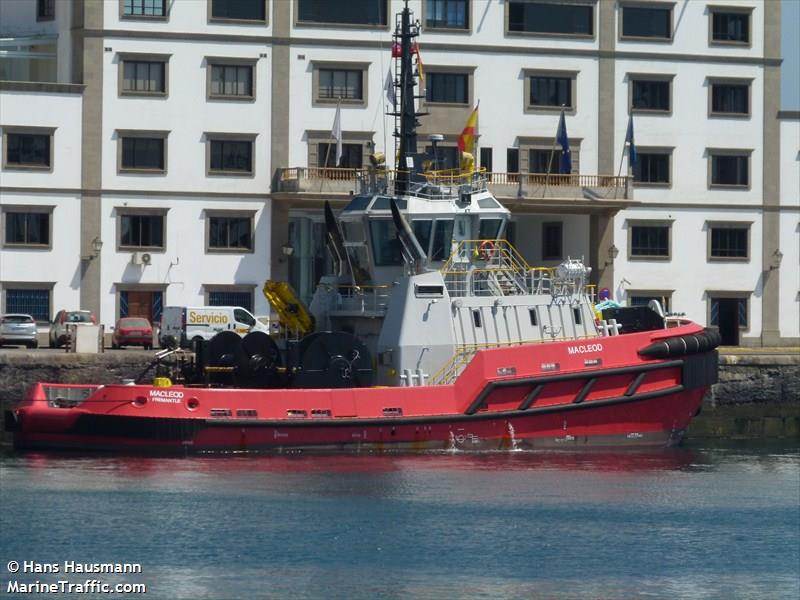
column 345, row 84
column 369, row 13
column 422, row 231
column 728, row 98
column 546, row 18
column 231, row 81
column 447, row 87
column 442, row 239
column 230, row 157
column 489, row 229
column 45, row 10
column 231, row 298
column 551, row 91
column 26, row 228
column 141, row 231
column 652, row 168
column 29, row 301
column 649, row 241
column 729, row 242
column 144, row 77
column 28, row 150
column 731, row 170
column 230, row 233
column 386, row 249
column 144, row 8
column 352, row 156
column 552, row 241
column 651, row 95
column 239, row 10
column 730, row 27
column 143, row 154
column 447, row 14
column 648, row 22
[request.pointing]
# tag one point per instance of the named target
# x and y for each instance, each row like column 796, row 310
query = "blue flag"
column 565, row 165
column 631, row 146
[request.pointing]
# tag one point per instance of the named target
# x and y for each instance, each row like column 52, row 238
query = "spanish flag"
column 420, row 66
column 466, row 141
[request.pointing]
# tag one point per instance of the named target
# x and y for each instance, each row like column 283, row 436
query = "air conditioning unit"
column 141, row 258
column 146, row 258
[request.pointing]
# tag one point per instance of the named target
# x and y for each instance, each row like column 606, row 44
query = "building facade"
column 190, row 145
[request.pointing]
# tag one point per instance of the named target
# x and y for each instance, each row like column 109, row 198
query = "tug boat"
column 432, row 332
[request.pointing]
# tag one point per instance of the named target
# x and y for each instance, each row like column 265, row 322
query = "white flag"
column 336, row 133
column 389, row 89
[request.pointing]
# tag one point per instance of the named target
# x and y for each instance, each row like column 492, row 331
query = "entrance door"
column 728, row 319
column 139, row 303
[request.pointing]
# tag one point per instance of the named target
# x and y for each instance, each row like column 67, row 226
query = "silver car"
column 18, row 330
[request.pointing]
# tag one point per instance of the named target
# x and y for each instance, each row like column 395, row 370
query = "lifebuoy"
column 487, row 249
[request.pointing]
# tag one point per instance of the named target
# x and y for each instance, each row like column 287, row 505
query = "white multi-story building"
column 178, row 151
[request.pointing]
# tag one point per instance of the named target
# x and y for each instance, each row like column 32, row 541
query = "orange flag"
column 466, row 141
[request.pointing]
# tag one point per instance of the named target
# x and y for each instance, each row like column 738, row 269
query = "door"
column 728, row 319
column 139, row 303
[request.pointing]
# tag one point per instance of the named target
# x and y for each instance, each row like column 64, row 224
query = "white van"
column 184, row 324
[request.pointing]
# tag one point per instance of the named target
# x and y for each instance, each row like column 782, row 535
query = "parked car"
column 58, row 328
column 133, row 331
column 18, row 330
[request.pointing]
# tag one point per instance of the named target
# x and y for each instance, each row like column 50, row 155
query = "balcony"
column 28, row 58
column 517, row 189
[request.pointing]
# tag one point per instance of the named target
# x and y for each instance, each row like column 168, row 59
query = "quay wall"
column 758, row 395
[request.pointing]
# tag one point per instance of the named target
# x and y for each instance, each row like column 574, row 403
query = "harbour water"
column 691, row 522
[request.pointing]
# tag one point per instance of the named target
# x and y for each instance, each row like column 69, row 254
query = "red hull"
column 588, row 392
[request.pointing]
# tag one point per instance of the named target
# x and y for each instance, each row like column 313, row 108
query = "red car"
column 133, row 331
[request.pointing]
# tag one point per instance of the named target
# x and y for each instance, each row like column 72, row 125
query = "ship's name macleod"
column 585, row 348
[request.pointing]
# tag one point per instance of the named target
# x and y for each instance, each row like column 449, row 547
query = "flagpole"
column 328, row 149
column 552, row 153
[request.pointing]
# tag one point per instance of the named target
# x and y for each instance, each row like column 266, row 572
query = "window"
column 352, row 156
column 729, row 241
column 532, row 316
column 542, row 161
column 145, row 77
column 28, row 149
column 231, row 81
column 729, row 169
column 447, row 14
column 486, row 159
column 45, row 10
column 142, row 153
column 649, row 241
column 550, row 19
column 442, row 239
column 422, row 231
column 652, row 168
column 650, row 94
column 643, row 298
column 730, row 98
column 26, row 227
column 446, row 156
column 230, row 232
column 386, row 250
column 231, row 298
column 230, row 156
column 489, row 229
column 239, row 10
column 33, row 302
column 141, row 231
column 370, row 13
column 551, row 91
column 650, row 22
column 341, row 83
column 730, row 27
column 512, row 160
column 144, row 8
column 476, row 317
column 447, row 87
column 552, row 236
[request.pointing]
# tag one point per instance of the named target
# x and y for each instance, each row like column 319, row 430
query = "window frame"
column 466, row 72
column 318, row 65
column 526, row 144
column 26, row 208
column 658, row 77
column 741, row 152
column 164, row 17
column 211, row 137
column 644, row 38
column 656, row 294
column 666, row 223
column 122, row 134
column 556, row 225
column 211, row 19
column 433, row 29
column 247, row 288
column 325, row 24
column 123, row 57
column 529, row 108
column 221, row 61
column 49, row 17
column 25, row 130
column 711, row 295
column 711, row 225
column 664, row 150
column 581, row 36
column 747, row 10
column 28, row 285
column 249, row 215
column 123, row 211
column 742, row 81
column 314, row 137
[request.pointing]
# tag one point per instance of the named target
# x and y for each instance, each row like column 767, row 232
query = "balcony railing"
column 519, row 185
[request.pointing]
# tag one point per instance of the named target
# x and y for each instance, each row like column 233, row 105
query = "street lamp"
column 613, row 252
column 97, row 246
